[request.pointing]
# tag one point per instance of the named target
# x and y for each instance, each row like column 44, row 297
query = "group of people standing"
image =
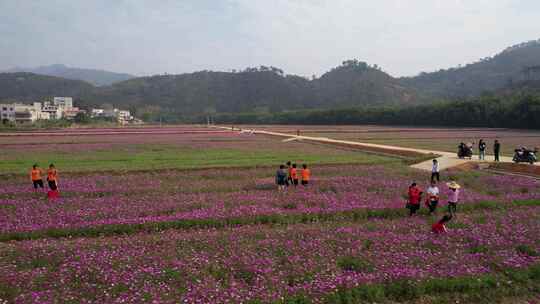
column 432, row 198
column 37, row 180
column 482, row 147
column 288, row 175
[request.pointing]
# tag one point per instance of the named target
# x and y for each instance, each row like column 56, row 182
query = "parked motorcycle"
column 464, row 151
column 524, row 155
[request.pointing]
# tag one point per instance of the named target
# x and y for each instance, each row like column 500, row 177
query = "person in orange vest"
column 35, row 176
column 52, row 177
column 306, row 175
column 294, row 175
column 289, row 178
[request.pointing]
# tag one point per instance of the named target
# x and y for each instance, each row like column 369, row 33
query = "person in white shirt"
column 432, row 198
column 435, row 171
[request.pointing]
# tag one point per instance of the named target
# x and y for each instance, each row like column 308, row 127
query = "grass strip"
column 486, row 288
column 271, row 219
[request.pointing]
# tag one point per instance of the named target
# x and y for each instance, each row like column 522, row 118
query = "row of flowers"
column 264, row 263
column 136, row 198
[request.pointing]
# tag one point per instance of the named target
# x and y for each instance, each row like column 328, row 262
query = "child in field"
column 432, row 198
column 289, row 179
column 440, row 227
column 306, row 175
column 35, row 176
column 415, row 196
column 294, row 175
column 281, row 177
column 52, row 177
column 453, row 197
column 435, row 171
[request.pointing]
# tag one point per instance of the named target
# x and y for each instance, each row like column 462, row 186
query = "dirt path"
column 446, row 159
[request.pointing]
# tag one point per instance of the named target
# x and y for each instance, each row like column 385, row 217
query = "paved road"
column 446, row 159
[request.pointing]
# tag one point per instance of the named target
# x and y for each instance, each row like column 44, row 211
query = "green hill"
column 95, row 77
column 263, row 89
column 32, row 87
column 353, row 84
column 488, row 74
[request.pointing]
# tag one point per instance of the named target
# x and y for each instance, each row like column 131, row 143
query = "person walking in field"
column 306, row 175
column 281, row 178
column 453, row 197
column 35, row 176
column 294, row 175
column 432, row 198
column 415, row 196
column 435, row 171
column 482, row 150
column 440, row 227
column 52, row 177
column 497, row 150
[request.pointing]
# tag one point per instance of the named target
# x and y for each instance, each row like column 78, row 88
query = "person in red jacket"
column 439, row 227
column 415, row 196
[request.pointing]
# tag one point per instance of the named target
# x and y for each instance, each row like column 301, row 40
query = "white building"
column 54, row 111
column 7, row 112
column 71, row 113
column 97, row 112
column 64, row 103
column 29, row 113
column 111, row 113
column 122, row 116
column 60, row 107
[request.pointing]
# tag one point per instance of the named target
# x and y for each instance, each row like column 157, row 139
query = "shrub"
column 527, row 250
column 356, row 264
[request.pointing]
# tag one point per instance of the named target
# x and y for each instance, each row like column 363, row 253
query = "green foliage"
column 517, row 111
column 478, row 249
column 143, row 157
column 354, row 263
column 527, row 250
column 472, row 289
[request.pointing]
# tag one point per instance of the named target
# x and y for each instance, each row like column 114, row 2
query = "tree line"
column 519, row 111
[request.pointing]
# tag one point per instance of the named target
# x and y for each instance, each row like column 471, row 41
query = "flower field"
column 265, row 263
column 141, row 198
column 194, row 217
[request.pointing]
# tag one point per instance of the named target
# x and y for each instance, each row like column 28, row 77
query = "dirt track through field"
column 446, row 159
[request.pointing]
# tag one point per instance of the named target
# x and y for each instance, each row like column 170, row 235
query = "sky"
column 303, row 37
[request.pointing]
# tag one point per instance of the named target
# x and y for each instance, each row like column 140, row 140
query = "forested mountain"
column 263, row 89
column 30, row 87
column 353, row 84
column 95, row 77
column 488, row 74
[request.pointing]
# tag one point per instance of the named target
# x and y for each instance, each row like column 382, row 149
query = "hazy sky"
column 302, row 37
